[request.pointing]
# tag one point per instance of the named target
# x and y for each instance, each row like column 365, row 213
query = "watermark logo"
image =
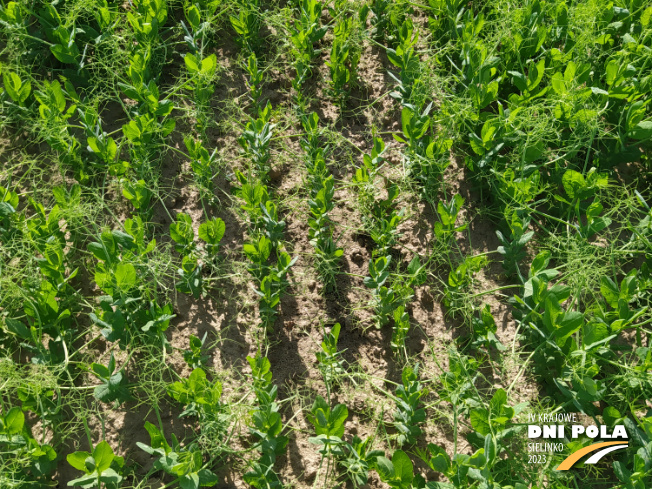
column 604, row 448
column 553, row 427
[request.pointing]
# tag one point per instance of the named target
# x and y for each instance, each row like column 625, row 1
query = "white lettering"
column 603, row 432
column 619, row 431
column 533, row 431
column 577, row 430
column 549, row 431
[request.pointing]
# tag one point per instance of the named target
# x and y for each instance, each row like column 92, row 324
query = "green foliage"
column 183, row 234
column 558, row 331
column 202, row 71
column 406, row 60
column 32, row 461
column 194, row 357
column 381, row 215
column 343, row 61
column 42, row 402
column 267, row 231
column 128, row 308
column 53, row 100
column 358, row 459
column 255, row 81
column 266, row 426
column 247, row 26
column 138, row 193
column 100, row 144
column 461, row 470
column 384, row 221
column 44, row 329
column 114, row 387
column 448, row 212
column 636, row 475
column 255, row 141
column 492, row 419
column 143, row 87
column 398, row 473
column 386, row 20
column 150, row 123
column 212, row 232
column 372, row 163
column 199, row 396
column 458, row 382
column 203, row 166
column 512, row 245
column 460, row 281
column 304, row 34
column 190, row 277
column 491, row 428
column 62, row 37
column 385, row 300
column 400, row 329
column 484, row 329
column 544, row 108
column 408, row 415
column 147, row 17
column 330, row 363
column 322, row 191
column 9, row 217
column 329, row 426
column 19, row 90
column 12, row 15
column 184, row 464
column 271, row 279
column 102, row 467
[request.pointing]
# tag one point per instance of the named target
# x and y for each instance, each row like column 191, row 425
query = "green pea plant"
column 266, row 426
column 203, row 165
column 322, row 191
column 247, row 26
column 304, row 33
column 408, row 415
column 255, row 142
column 343, row 62
column 194, row 357
column 129, row 307
column 331, row 365
column 114, row 382
column 267, row 235
column 199, row 396
column 407, row 61
column 184, row 464
column 31, row 462
column 102, row 468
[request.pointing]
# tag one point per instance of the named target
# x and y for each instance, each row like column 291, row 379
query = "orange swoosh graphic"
column 575, row 456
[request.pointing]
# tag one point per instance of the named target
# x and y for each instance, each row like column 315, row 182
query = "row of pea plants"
column 57, row 101
column 321, row 185
column 201, row 70
column 265, row 226
column 425, row 157
column 304, row 34
column 392, row 289
column 44, row 326
column 352, row 456
column 150, row 120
